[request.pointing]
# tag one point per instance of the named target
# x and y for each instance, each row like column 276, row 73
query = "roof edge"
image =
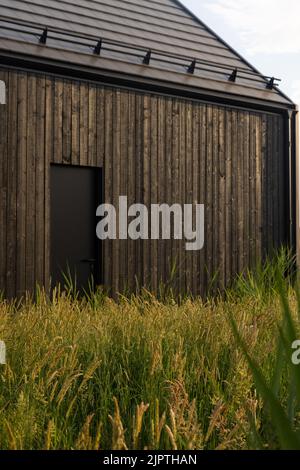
column 108, row 78
column 232, row 49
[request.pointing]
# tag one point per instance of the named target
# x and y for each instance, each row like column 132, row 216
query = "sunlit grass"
column 142, row 373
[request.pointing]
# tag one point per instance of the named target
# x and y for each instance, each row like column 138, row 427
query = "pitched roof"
column 183, row 49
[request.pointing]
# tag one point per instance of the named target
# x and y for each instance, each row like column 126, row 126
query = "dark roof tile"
column 129, row 28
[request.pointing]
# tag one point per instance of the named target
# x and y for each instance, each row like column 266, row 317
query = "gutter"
column 295, row 167
column 292, row 151
column 138, row 82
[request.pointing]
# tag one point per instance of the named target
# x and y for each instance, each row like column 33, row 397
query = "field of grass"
column 144, row 374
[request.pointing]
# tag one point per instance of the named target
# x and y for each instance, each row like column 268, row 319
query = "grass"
column 141, row 373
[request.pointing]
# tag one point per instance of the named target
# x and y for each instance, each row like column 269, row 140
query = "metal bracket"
column 233, row 76
column 98, row 47
column 44, row 37
column 271, row 84
column 192, row 67
column 95, row 45
column 147, row 58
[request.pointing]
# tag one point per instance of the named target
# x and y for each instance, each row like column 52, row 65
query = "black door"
column 75, row 251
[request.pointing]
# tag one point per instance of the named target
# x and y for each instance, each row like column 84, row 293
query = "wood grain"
column 154, row 149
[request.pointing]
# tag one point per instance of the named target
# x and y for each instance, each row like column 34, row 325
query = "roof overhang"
column 142, row 41
column 119, row 73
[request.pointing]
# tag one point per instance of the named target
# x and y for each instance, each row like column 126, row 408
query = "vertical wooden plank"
column 100, row 112
column 21, row 185
column 58, row 121
column 270, row 183
column 92, row 131
column 276, row 194
column 253, row 231
column 131, row 185
column 163, row 182
column 221, row 227
column 146, row 149
column 75, row 118
column 40, row 182
column 29, row 183
column 175, row 260
column 202, row 267
column 281, row 184
column 210, row 232
column 265, row 192
column 168, row 184
column 100, row 148
column 84, row 123
column 234, row 214
column 124, row 178
column 258, row 184
column 196, row 197
column 139, row 182
column 228, row 196
column 154, row 186
column 181, row 192
column 108, row 183
column 215, row 271
column 188, row 194
column 11, row 237
column 240, row 190
column 49, row 158
column 116, row 146
column 246, row 192
column 67, row 122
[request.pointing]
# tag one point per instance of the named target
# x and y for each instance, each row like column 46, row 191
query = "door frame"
column 99, row 188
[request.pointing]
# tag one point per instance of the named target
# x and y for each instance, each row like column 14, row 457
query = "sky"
column 265, row 32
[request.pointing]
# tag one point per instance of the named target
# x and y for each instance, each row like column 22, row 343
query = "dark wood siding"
column 154, row 149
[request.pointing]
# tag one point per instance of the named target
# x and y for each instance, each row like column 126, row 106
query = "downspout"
column 297, row 182
column 293, row 183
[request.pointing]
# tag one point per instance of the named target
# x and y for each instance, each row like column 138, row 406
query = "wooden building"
column 136, row 98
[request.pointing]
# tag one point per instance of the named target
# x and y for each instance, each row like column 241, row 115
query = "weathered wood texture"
column 153, row 149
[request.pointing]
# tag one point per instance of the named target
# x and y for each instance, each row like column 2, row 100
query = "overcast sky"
column 266, row 32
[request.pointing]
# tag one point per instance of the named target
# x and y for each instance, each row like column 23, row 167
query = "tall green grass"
column 92, row 373
column 280, row 392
